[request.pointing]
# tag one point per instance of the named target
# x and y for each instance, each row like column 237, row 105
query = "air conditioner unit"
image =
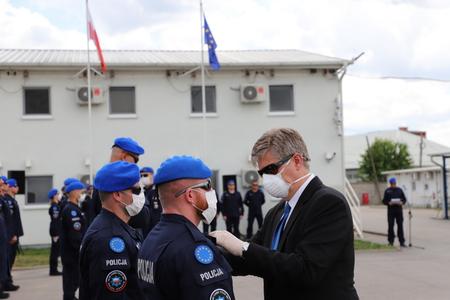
column 253, row 93
column 97, row 95
column 248, row 176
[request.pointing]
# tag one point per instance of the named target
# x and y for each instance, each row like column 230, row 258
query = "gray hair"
column 281, row 142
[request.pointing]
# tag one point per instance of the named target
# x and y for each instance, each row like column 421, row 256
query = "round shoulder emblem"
column 77, row 226
column 204, row 254
column 117, row 244
column 73, row 213
column 219, row 294
column 116, row 281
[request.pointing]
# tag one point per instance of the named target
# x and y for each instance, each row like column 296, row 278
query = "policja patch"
column 219, row 294
column 116, row 281
column 204, row 254
column 117, row 245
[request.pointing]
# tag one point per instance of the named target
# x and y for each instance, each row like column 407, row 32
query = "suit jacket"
column 315, row 257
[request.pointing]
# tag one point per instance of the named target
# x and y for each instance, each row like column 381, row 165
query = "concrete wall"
column 58, row 145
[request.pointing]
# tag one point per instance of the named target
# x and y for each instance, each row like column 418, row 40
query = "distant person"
column 394, row 198
column 4, row 218
column 108, row 258
column 232, row 208
column 55, row 229
column 254, row 199
column 15, row 229
column 73, row 227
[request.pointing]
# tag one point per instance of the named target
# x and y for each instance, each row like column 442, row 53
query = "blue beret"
column 181, row 167
column 117, row 176
column 392, row 180
column 69, row 181
column 76, row 185
column 231, row 181
column 4, row 178
column 129, row 145
column 52, row 193
column 11, row 182
column 147, row 170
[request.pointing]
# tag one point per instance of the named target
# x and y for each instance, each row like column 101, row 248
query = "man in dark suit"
column 304, row 249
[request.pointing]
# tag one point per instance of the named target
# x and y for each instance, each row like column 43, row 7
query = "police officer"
column 151, row 196
column 16, row 230
column 72, row 230
column 232, row 208
column 123, row 149
column 254, row 199
column 4, row 217
column 109, row 250
column 176, row 260
column 55, row 229
column 65, row 196
column 394, row 198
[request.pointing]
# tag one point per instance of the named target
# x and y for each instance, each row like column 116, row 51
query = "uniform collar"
column 175, row 218
column 115, row 219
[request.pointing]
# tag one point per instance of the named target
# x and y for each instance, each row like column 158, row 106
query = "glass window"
column 37, row 188
column 36, row 101
column 122, row 100
column 281, row 98
column 210, row 99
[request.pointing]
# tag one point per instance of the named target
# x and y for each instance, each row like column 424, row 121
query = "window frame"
column 48, row 115
column 121, row 115
column 36, row 204
column 282, row 112
column 200, row 114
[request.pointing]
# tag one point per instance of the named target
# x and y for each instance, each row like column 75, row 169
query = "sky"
column 403, row 78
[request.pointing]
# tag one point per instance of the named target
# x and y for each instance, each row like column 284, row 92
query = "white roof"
column 45, row 58
column 412, row 170
column 356, row 145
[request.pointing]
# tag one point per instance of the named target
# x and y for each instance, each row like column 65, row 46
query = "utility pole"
column 374, row 170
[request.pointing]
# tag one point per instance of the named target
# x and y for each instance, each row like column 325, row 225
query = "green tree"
column 387, row 155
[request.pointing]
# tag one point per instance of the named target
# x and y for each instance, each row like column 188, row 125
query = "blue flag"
column 209, row 40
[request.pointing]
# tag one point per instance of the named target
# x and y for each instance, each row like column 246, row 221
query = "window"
column 37, row 188
column 36, row 101
column 210, row 99
column 122, row 100
column 281, row 98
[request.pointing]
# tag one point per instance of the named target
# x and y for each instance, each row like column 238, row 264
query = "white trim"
column 37, row 117
column 35, row 207
column 122, row 116
column 281, row 113
column 207, row 115
column 412, row 170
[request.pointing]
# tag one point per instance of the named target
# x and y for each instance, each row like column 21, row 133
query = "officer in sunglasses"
column 108, row 257
column 176, row 260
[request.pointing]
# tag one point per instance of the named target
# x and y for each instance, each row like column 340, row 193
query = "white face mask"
column 60, row 196
column 82, row 197
column 146, row 181
column 210, row 212
column 136, row 206
column 277, row 186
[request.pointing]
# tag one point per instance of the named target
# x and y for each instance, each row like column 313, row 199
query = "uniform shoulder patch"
column 204, row 254
column 116, row 281
column 73, row 213
column 219, row 294
column 117, row 244
column 77, row 226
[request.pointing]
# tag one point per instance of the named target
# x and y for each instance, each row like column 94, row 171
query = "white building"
column 420, row 148
column 145, row 95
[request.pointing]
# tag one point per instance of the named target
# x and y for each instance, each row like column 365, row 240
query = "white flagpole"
column 88, row 70
column 202, row 66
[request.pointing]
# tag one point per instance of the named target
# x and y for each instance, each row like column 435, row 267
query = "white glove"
column 229, row 242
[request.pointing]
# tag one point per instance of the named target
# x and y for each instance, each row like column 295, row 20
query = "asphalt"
column 417, row 272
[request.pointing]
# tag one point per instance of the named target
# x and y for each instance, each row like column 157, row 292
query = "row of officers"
column 10, row 232
column 99, row 230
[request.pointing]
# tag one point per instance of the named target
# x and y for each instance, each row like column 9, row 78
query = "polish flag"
column 94, row 37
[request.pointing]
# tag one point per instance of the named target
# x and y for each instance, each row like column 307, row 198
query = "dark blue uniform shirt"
column 254, row 201
column 393, row 193
column 108, row 259
column 55, row 225
column 72, row 231
column 177, row 261
column 231, row 204
column 15, row 221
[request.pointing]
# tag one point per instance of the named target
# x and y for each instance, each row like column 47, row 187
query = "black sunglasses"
column 136, row 190
column 203, row 185
column 144, row 175
column 273, row 168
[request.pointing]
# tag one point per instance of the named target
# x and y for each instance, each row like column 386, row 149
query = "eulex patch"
column 204, row 254
column 117, row 244
column 219, row 294
column 116, row 281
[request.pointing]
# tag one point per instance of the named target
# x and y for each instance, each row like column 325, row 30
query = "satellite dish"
column 250, row 92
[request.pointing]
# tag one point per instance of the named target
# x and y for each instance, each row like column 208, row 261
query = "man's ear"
column 189, row 196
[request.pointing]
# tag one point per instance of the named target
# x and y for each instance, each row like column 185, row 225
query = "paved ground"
column 412, row 273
